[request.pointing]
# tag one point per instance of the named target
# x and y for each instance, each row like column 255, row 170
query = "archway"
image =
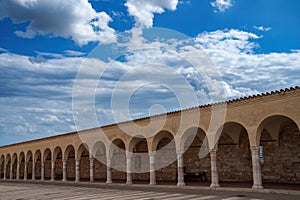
column 37, row 164
column 166, row 157
column 7, row 163
column 2, row 161
column 83, row 155
column 29, row 161
column 234, row 162
column 118, row 162
column 140, row 159
column 14, row 165
column 58, row 168
column 196, row 164
column 22, row 165
column 99, row 154
column 47, row 164
column 70, row 160
column 279, row 138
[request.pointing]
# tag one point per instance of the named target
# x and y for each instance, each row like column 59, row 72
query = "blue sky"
column 253, row 45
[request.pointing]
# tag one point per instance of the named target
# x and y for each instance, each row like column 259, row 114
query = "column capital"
column 179, row 152
column 254, row 148
column 152, row 153
column 213, row 151
column 129, row 154
column 92, row 159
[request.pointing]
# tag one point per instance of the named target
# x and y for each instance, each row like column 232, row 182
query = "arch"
column 22, row 164
column 57, row 158
column 99, row 153
column 189, row 135
column 57, row 153
column 47, row 157
column 2, row 162
column 99, row 146
column 7, row 163
column 69, row 157
column 118, row 160
column 234, row 162
column 46, row 154
column 140, row 165
column 14, row 161
column 273, row 125
column 194, row 144
column 166, row 158
column 37, row 155
column 279, row 140
column 83, row 147
column 38, row 164
column 28, row 161
column 159, row 136
column 83, row 156
column 117, row 142
column 28, row 156
column 68, row 150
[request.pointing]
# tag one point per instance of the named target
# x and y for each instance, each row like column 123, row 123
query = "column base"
column 64, row 180
column 129, row 182
column 152, row 183
column 214, row 185
column 42, row 179
column 76, row 181
column 180, row 184
column 257, row 187
column 108, row 182
column 52, row 179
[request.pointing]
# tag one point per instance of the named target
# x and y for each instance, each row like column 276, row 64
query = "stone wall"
column 234, row 162
column 282, row 160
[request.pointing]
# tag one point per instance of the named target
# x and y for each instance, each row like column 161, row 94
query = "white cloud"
column 75, row 19
column 45, row 89
column 221, row 5
column 261, row 28
column 143, row 10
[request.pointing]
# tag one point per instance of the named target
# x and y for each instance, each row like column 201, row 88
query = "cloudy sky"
column 66, row 63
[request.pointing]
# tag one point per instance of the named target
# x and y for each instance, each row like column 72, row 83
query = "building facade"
column 253, row 139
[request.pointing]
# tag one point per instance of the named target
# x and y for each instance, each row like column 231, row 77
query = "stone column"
column 25, row 171
column 64, row 170
column 214, row 170
column 180, row 172
column 128, row 167
column 91, row 170
column 0, row 170
column 108, row 170
column 257, row 181
column 4, row 172
column 33, row 170
column 10, row 170
column 18, row 171
column 52, row 170
column 77, row 170
column 42, row 171
column 152, row 168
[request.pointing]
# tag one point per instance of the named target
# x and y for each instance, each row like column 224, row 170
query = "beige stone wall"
column 282, row 161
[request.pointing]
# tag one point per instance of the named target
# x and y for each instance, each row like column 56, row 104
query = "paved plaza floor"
column 22, row 191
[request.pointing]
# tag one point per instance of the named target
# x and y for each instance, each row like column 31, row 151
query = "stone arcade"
column 257, row 141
